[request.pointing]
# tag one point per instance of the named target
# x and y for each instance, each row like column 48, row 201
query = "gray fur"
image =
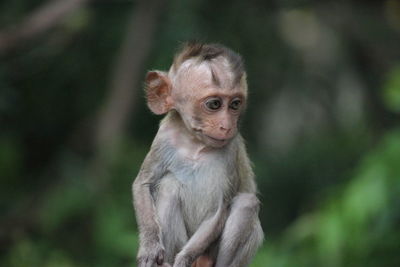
column 188, row 208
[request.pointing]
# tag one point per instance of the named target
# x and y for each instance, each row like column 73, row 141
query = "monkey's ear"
column 158, row 92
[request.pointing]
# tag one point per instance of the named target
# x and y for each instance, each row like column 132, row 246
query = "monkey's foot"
column 203, row 261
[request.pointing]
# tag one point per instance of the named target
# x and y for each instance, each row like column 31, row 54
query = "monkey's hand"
column 151, row 255
column 183, row 260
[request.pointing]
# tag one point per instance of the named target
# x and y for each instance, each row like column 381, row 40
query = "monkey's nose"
column 226, row 131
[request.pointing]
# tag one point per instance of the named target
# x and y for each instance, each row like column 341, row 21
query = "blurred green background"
column 322, row 125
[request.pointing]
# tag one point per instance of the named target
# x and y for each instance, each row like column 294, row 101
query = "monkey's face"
column 210, row 109
column 213, row 118
column 212, row 114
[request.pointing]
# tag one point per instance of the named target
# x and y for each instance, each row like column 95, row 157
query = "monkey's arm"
column 244, row 170
column 151, row 249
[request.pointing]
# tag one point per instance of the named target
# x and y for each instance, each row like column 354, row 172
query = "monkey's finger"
column 145, row 262
column 149, row 263
column 141, row 263
column 160, row 258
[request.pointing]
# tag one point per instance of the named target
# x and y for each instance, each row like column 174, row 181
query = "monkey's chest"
column 203, row 186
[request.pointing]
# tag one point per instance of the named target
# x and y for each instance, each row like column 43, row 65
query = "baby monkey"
column 195, row 195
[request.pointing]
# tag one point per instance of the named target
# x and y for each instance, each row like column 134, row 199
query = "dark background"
column 322, row 125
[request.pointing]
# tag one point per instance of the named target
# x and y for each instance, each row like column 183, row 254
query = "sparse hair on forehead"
column 207, row 52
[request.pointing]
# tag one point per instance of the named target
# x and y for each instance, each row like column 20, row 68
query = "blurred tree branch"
column 124, row 86
column 114, row 116
column 127, row 72
column 41, row 20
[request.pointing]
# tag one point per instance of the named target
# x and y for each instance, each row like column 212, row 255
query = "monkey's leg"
column 242, row 234
column 173, row 230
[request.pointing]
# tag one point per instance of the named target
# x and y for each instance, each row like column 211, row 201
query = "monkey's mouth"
column 216, row 141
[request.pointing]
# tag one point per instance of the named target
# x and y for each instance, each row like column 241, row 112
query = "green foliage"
column 113, row 233
column 10, row 158
column 77, row 225
column 28, row 253
column 391, row 92
column 350, row 229
column 78, row 20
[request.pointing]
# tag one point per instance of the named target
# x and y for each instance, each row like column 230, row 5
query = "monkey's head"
column 207, row 86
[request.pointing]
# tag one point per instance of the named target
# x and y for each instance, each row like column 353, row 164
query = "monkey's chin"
column 214, row 142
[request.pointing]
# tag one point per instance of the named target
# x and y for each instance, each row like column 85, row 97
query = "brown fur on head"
column 206, row 84
column 208, row 52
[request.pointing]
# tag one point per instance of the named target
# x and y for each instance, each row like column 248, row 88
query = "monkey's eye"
column 235, row 104
column 213, row 104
